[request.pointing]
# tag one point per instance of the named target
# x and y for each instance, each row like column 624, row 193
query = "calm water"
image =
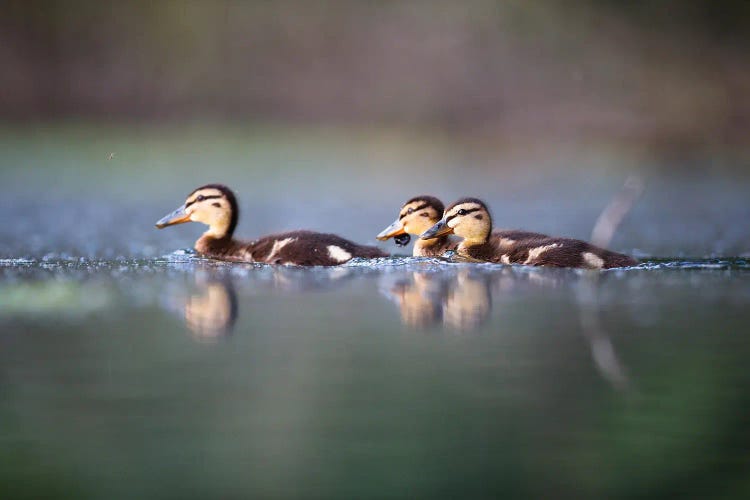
column 131, row 370
column 180, row 377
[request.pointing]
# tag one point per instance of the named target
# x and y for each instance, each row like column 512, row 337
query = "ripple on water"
column 188, row 258
column 719, row 264
column 16, row 262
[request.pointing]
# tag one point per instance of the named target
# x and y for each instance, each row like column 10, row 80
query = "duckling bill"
column 216, row 206
column 470, row 219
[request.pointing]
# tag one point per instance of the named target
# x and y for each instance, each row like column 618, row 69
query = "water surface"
column 183, row 377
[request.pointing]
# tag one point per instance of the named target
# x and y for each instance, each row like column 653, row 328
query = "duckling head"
column 415, row 217
column 468, row 218
column 213, row 205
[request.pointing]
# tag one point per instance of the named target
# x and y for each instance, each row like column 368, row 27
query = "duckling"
column 415, row 217
column 470, row 219
column 216, row 206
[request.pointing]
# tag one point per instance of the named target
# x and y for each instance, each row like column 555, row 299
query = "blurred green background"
column 327, row 115
column 670, row 76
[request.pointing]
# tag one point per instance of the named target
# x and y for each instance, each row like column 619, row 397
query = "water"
column 131, row 370
column 182, row 377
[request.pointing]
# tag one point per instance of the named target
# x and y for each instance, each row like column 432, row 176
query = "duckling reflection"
column 209, row 309
column 459, row 301
column 468, row 302
column 213, row 312
column 210, row 306
column 419, row 299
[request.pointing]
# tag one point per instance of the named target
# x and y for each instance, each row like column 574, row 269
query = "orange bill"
column 177, row 217
column 393, row 230
column 437, row 230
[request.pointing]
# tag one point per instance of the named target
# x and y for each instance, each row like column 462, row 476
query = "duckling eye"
column 200, row 198
column 462, row 212
column 410, row 210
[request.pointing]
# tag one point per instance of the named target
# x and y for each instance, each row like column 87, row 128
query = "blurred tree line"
column 670, row 72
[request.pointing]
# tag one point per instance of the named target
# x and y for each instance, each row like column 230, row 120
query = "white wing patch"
column 276, row 248
column 505, row 259
column 535, row 253
column 592, row 260
column 247, row 256
column 338, row 254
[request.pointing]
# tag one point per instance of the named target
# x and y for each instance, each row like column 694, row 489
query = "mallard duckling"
column 415, row 217
column 470, row 219
column 216, row 206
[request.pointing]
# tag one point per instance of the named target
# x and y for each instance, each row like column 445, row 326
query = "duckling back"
column 563, row 252
column 308, row 248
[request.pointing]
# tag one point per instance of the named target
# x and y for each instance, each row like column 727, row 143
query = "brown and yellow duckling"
column 216, row 206
column 470, row 219
column 415, row 217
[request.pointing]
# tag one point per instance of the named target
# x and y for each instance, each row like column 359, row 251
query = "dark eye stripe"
column 420, row 207
column 467, row 213
column 211, row 197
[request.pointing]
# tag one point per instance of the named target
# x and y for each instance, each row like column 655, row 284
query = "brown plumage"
column 415, row 217
column 470, row 219
column 216, row 206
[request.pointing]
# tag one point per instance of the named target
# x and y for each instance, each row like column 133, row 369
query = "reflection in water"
column 457, row 298
column 297, row 279
column 419, row 299
column 211, row 312
column 602, row 350
column 461, row 300
column 308, row 370
column 468, row 302
column 209, row 308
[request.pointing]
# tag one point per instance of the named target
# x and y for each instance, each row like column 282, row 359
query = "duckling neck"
column 472, row 242
column 472, row 246
column 213, row 245
column 429, row 247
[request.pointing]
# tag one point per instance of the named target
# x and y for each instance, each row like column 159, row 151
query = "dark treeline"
column 671, row 71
